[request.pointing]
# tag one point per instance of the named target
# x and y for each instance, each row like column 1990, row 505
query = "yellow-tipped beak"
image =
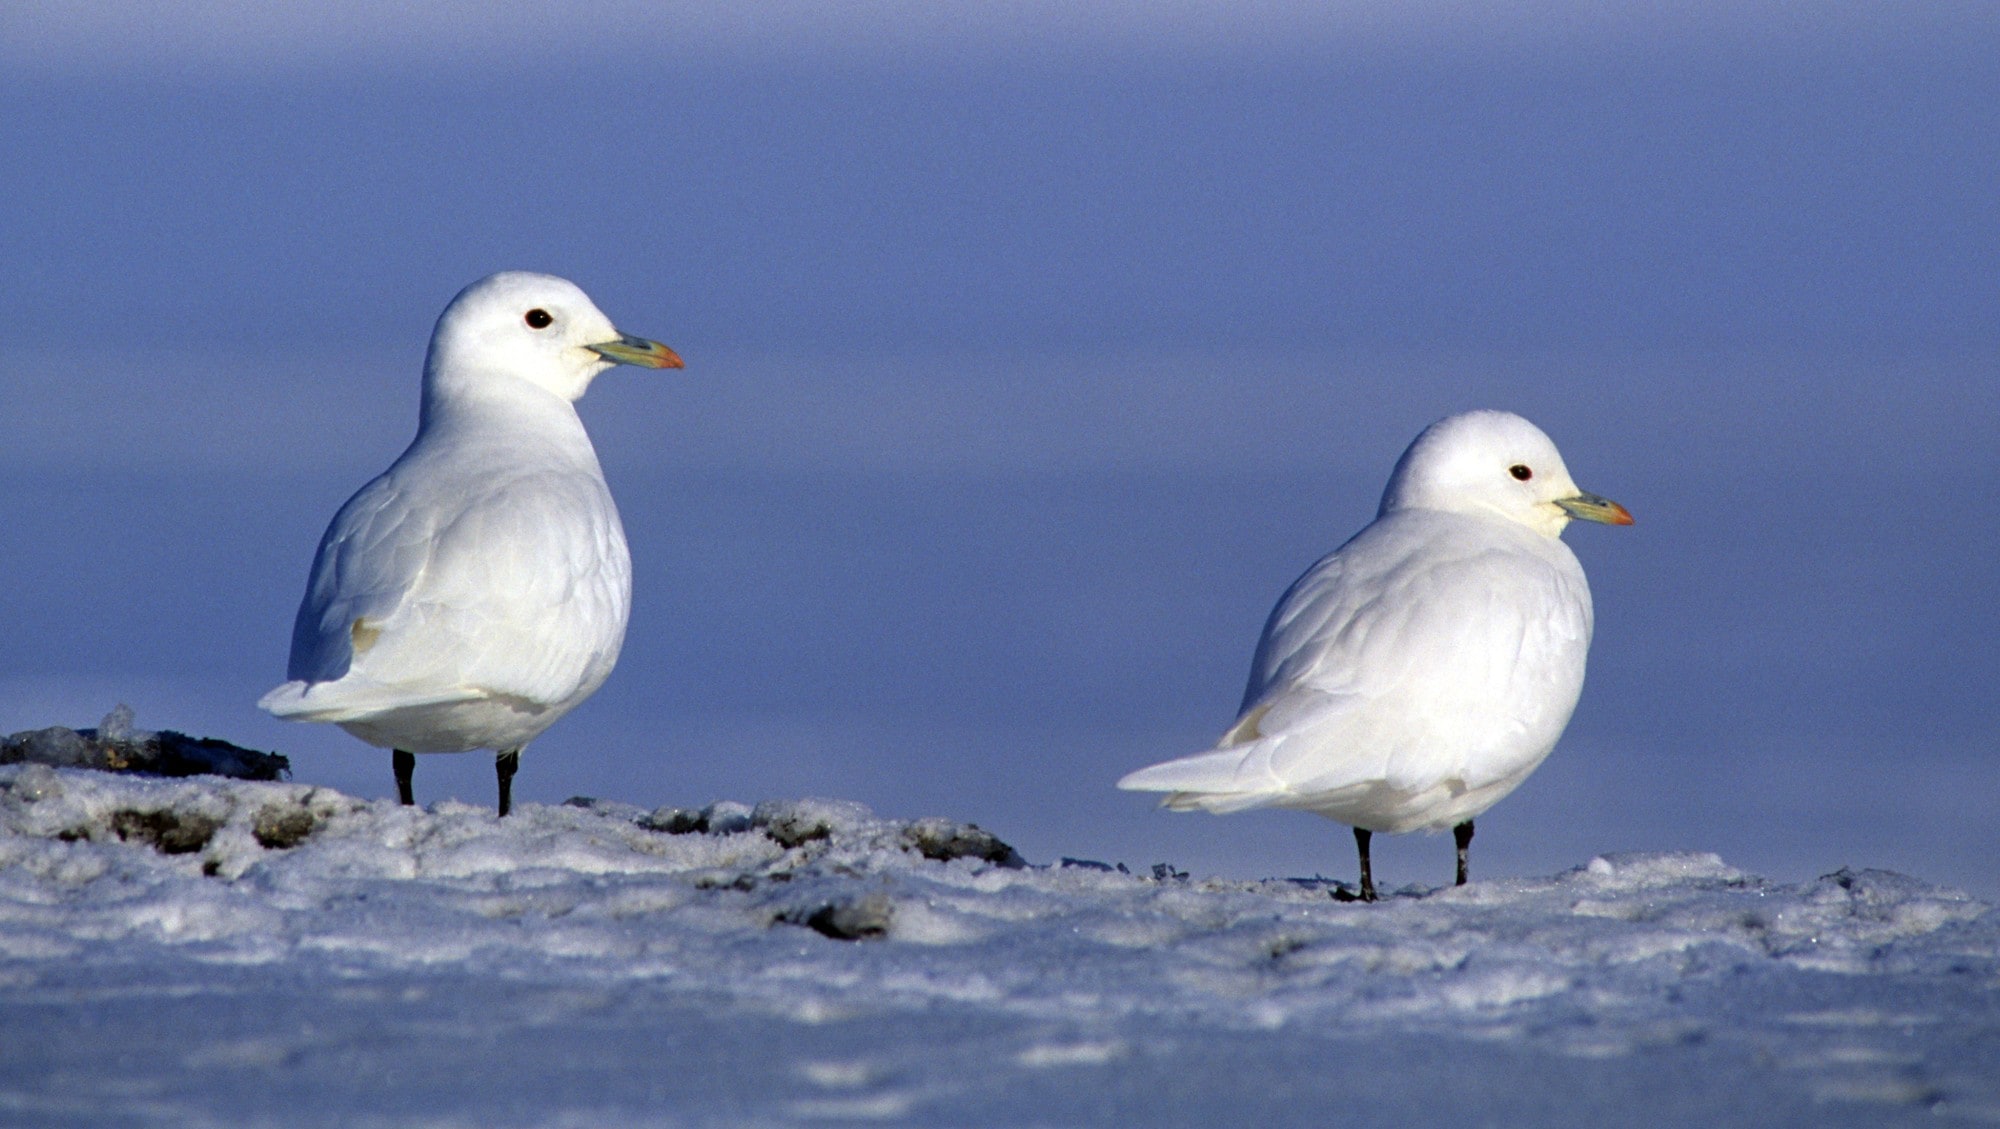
column 1590, row 507
column 630, row 350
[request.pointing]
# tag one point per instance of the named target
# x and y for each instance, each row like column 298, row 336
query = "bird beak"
column 1590, row 507
column 630, row 350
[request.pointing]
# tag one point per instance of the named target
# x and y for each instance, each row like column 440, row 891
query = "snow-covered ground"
column 205, row 951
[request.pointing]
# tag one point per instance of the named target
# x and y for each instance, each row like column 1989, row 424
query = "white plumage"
column 1416, row 675
column 478, row 589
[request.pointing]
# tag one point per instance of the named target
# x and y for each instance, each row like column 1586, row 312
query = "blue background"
column 1033, row 350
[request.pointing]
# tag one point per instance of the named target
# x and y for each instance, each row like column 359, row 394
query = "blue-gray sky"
column 1034, row 348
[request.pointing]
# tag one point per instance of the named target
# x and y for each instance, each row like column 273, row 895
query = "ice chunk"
column 116, row 746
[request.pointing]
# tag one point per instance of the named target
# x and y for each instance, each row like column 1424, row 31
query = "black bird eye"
column 539, row 319
column 1521, row 472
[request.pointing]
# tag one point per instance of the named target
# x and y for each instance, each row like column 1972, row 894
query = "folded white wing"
column 1432, row 652
column 438, row 587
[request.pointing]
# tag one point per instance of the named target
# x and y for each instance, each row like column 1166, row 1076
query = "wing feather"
column 1395, row 667
column 517, row 588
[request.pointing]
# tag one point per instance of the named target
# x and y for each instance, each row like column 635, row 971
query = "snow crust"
column 204, row 952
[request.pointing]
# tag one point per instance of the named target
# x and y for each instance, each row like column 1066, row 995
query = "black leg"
column 1361, row 837
column 504, row 766
column 1462, row 835
column 405, row 763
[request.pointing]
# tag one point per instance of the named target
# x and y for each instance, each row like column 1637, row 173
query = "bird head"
column 1494, row 464
column 537, row 328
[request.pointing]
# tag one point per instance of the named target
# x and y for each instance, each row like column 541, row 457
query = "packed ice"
column 208, row 951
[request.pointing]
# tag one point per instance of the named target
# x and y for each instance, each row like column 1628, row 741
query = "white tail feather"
column 351, row 699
